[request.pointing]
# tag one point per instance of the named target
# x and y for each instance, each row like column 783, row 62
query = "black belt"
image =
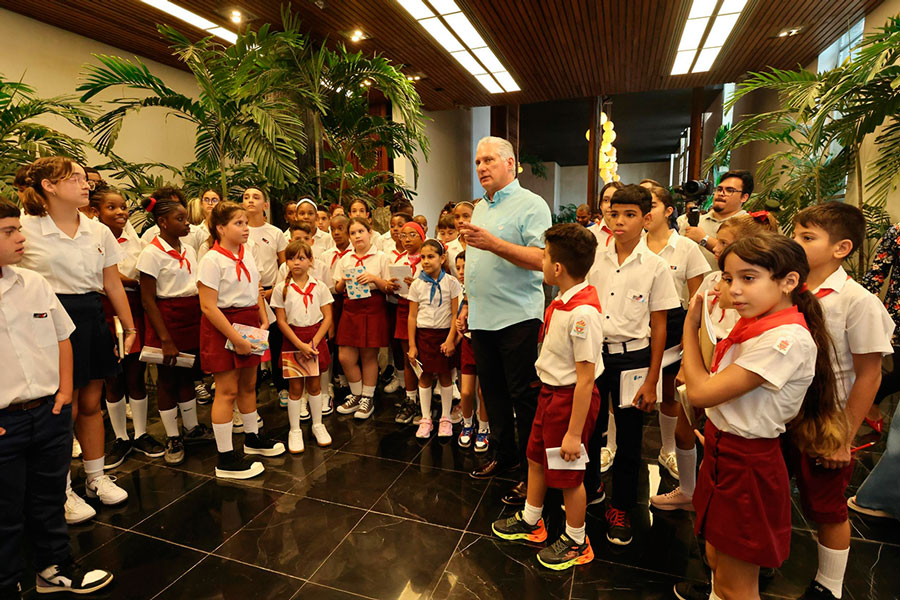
column 29, row 405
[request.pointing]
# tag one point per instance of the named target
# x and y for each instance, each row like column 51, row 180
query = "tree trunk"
column 863, row 252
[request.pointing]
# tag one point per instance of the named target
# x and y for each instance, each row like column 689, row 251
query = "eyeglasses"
column 727, row 191
column 211, row 201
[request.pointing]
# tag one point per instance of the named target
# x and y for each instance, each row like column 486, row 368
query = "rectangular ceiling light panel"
column 690, row 57
column 440, row 33
column 193, row 19
column 461, row 26
column 693, row 32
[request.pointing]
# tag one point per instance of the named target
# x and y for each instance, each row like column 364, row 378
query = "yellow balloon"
column 603, row 117
column 608, row 126
column 605, row 148
column 611, row 152
column 587, row 135
column 612, row 135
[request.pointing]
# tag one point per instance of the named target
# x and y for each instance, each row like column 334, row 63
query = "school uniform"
column 603, row 234
column 131, row 248
column 454, row 249
column 195, row 237
column 74, row 269
column 269, row 243
column 723, row 319
column 858, row 324
column 401, row 319
column 363, row 321
column 743, row 498
column 317, row 270
column 236, row 279
column 35, row 451
column 629, row 293
column 322, row 241
column 573, row 332
column 685, row 262
column 176, row 293
column 303, row 311
column 434, row 318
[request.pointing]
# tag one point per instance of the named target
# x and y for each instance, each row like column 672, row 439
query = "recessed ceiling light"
column 463, row 28
column 721, row 29
column 693, row 32
column 444, row 7
column 702, row 8
column 357, row 35
column 416, row 8
column 192, row 19
column 468, row 62
column 683, row 62
column 505, row 79
column 236, row 16
column 732, row 6
column 487, row 58
column 705, row 60
column 689, row 52
column 489, row 84
column 791, row 31
column 441, row 34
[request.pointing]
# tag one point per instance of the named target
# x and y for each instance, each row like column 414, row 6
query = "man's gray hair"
column 504, row 148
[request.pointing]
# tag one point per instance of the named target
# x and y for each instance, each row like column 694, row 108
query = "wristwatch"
column 704, row 241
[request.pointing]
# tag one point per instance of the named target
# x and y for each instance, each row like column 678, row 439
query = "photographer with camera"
column 733, row 190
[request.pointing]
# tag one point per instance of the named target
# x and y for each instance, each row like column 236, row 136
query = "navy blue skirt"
column 93, row 346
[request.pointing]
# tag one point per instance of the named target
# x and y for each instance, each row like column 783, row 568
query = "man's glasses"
column 727, row 191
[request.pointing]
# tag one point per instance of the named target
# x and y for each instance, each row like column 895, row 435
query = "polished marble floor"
column 379, row 515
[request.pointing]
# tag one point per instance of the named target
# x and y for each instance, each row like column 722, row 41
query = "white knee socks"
column 293, row 409
column 315, row 408
column 117, row 418
column 188, row 413
column 832, row 565
column 251, row 423
column 222, row 431
column 687, row 470
column 170, row 421
column 425, row 401
column 611, row 434
column 446, row 400
column 139, row 416
column 667, row 433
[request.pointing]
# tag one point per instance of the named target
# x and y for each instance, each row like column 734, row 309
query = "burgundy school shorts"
column 182, row 319
column 401, row 322
column 551, row 422
column 821, row 490
column 466, row 357
column 214, row 357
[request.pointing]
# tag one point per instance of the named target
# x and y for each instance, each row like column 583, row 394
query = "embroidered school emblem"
column 783, row 345
column 579, row 328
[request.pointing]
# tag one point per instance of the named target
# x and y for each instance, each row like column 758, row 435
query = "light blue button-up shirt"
column 500, row 293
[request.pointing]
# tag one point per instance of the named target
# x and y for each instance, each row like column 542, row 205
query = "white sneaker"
column 295, row 441
column 607, row 457
column 304, row 408
column 77, row 510
column 670, row 463
column 456, row 415
column 674, row 500
column 237, row 423
column 76, row 447
column 393, row 385
column 105, row 488
column 323, row 438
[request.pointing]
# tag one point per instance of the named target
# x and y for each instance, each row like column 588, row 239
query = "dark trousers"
column 504, row 361
column 35, row 453
column 276, row 341
column 629, row 430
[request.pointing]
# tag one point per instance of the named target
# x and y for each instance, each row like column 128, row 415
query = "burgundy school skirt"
column 743, row 498
column 137, row 315
column 466, row 357
column 364, row 323
column 182, row 319
column 401, row 327
column 306, row 334
column 214, row 358
column 821, row 490
column 550, row 425
column 428, row 344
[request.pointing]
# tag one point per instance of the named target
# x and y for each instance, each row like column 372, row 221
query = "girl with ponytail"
column 771, row 375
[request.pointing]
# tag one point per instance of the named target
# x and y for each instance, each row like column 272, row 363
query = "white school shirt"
column 437, row 312
column 571, row 336
column 629, row 292
column 70, row 265
column 269, row 242
column 195, row 237
column 858, row 324
column 217, row 271
column 723, row 319
column 131, row 247
column 322, row 241
column 785, row 357
column 298, row 314
column 685, row 262
column 374, row 262
column 317, row 271
column 454, row 249
column 32, row 323
column 172, row 280
column 329, row 259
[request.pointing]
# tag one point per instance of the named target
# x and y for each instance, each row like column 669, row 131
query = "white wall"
column 50, row 60
column 545, row 187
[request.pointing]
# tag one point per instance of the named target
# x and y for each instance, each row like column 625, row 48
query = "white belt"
column 623, row 347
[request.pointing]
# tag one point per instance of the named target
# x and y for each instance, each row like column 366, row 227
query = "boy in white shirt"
column 636, row 289
column 569, row 403
column 861, row 331
column 35, row 425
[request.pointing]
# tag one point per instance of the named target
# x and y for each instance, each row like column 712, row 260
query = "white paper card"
column 630, row 382
column 556, row 462
column 399, row 272
column 671, row 356
column 356, row 290
column 155, row 356
column 417, row 368
column 258, row 338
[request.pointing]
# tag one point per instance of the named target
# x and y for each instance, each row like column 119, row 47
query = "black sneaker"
column 515, row 528
column 619, row 523
column 406, row 414
column 174, row 451
column 117, row 453
column 148, row 446
column 199, row 434
column 564, row 553
column 687, row 590
column 816, row 591
column 255, row 443
column 201, row 394
column 233, row 466
column 71, row 577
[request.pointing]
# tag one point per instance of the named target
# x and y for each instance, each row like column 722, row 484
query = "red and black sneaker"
column 565, row 553
column 515, row 528
column 619, row 526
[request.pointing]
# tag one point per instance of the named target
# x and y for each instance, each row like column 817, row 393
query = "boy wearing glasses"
column 733, row 190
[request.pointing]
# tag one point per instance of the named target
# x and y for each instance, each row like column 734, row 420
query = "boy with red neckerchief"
column 568, row 404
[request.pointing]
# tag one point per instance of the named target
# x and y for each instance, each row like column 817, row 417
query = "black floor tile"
column 350, row 479
column 217, row 577
column 433, row 495
column 293, row 536
column 608, row 581
column 208, row 515
column 491, row 508
column 384, row 440
column 313, row 591
column 488, row 568
column 142, row 566
column 446, row 454
column 389, row 557
column 875, row 529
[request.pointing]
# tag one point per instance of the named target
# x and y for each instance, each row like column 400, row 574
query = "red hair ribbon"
column 760, row 215
column 804, row 288
column 151, row 204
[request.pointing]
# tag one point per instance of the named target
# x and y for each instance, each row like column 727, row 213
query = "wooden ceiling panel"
column 555, row 49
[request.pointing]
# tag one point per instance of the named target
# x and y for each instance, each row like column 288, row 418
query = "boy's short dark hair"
column 461, row 255
column 746, row 178
column 840, row 220
column 447, row 222
column 572, row 246
column 304, row 226
column 9, row 210
column 634, row 195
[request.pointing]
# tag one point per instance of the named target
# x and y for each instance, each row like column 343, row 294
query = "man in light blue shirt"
column 504, row 249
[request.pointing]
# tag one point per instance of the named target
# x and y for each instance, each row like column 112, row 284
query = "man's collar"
column 510, row 188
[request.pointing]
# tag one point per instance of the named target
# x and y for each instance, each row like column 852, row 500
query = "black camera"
column 692, row 191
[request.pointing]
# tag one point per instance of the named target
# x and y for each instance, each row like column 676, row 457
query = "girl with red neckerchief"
column 412, row 236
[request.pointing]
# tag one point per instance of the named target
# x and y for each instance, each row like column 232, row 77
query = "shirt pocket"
column 635, row 303
column 43, row 331
column 93, row 261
